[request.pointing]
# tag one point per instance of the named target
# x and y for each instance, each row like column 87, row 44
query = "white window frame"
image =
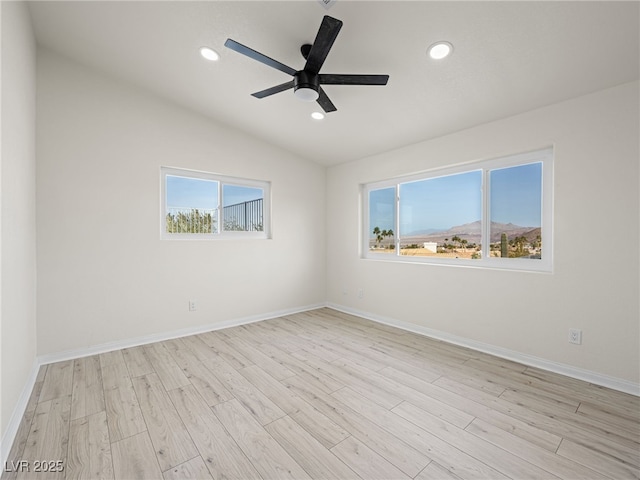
column 545, row 264
column 222, row 180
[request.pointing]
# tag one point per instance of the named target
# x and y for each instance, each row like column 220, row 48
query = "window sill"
column 511, row 264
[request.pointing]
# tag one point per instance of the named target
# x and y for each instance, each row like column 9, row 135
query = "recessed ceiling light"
column 209, row 53
column 317, row 115
column 440, row 50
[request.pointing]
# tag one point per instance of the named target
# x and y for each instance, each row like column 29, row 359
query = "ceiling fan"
column 307, row 82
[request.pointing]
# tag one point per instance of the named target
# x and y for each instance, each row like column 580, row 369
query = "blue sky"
column 203, row 194
column 440, row 203
column 516, row 195
column 191, row 192
column 381, row 209
column 233, row 194
column 444, row 202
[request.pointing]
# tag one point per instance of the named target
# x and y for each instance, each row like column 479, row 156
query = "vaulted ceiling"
column 509, row 57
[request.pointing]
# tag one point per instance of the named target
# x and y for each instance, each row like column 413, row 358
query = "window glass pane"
column 516, row 211
column 242, row 208
column 441, row 217
column 382, row 220
column 192, row 205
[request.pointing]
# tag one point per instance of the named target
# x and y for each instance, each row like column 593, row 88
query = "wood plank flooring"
column 321, row 395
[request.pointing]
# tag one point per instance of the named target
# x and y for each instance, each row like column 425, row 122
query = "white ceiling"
column 509, row 57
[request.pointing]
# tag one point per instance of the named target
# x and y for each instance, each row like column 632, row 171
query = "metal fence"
column 245, row 216
column 241, row 217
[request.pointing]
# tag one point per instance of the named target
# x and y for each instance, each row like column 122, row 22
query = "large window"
column 495, row 213
column 206, row 205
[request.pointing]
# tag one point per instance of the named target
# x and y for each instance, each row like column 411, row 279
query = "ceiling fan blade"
column 249, row 52
column 273, row 90
column 337, row 79
column 324, row 102
column 329, row 29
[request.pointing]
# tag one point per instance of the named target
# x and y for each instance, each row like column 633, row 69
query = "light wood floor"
column 320, row 395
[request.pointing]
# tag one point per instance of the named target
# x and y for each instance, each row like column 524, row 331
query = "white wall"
column 18, row 203
column 104, row 275
column 596, row 189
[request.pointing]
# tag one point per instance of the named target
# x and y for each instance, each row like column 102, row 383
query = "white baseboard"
column 160, row 337
column 529, row 360
column 9, row 434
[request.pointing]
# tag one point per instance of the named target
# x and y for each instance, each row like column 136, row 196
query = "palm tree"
column 387, row 233
column 378, row 234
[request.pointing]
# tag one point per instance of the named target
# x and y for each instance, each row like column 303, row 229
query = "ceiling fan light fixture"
column 306, row 94
column 306, row 82
column 209, row 54
column 440, row 50
column 306, row 85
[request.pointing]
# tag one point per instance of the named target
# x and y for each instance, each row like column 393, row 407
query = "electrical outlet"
column 360, row 293
column 575, row 336
column 192, row 306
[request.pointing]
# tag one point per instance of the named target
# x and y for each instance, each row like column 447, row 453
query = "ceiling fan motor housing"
column 306, row 80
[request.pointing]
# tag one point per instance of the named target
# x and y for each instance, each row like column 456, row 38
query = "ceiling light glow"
column 317, row 115
column 209, row 53
column 306, row 94
column 440, row 50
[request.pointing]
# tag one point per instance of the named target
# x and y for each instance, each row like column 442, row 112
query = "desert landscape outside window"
column 495, row 213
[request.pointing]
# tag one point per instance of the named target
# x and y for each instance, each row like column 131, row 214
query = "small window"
column 495, row 213
column 207, row 205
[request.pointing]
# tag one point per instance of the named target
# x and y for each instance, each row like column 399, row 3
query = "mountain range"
column 473, row 234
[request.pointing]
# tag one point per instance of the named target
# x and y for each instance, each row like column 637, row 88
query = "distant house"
column 431, row 246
